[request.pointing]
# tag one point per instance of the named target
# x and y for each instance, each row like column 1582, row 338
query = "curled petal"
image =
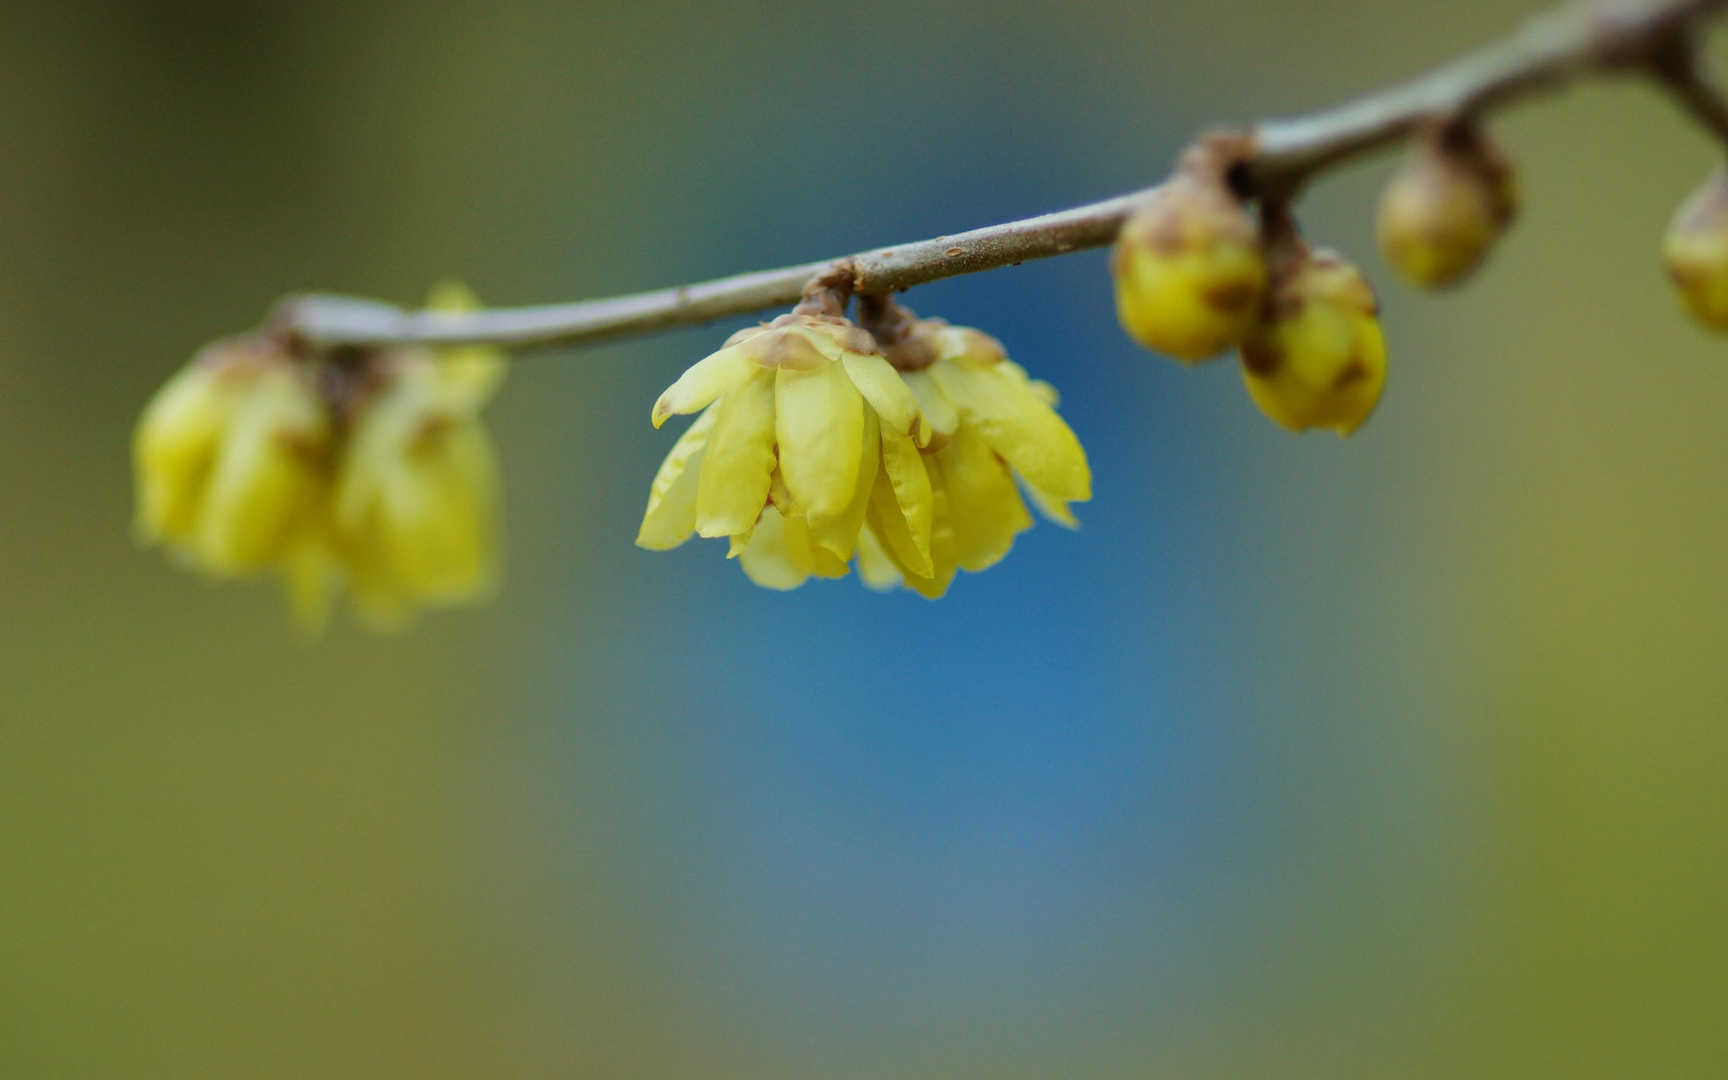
column 888, row 394
column 1015, row 423
column 671, row 514
column 901, row 506
column 704, row 383
column 739, row 461
column 937, row 410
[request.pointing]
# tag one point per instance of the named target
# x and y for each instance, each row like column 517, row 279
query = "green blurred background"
column 1395, row 757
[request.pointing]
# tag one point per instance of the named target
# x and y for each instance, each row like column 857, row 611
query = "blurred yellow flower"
column 367, row 469
column 230, row 460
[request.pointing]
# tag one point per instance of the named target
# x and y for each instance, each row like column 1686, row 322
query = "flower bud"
column 1445, row 207
column 1318, row 359
column 1696, row 251
column 1188, row 266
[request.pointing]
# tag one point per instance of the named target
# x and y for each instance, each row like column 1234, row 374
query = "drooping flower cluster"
column 818, row 444
column 369, row 470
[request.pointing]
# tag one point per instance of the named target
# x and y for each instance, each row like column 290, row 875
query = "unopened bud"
column 1188, row 265
column 1696, row 251
column 1442, row 211
column 1319, row 358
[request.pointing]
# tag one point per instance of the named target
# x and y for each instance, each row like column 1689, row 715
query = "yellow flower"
column 1189, row 270
column 990, row 424
column 369, row 467
column 1319, row 358
column 1696, row 252
column 1445, row 207
column 803, row 416
column 231, row 459
column 414, row 521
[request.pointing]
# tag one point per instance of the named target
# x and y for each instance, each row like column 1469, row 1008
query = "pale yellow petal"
column 819, row 419
column 671, row 515
column 838, row 535
column 933, row 583
column 267, row 477
column 908, row 484
column 309, row 576
column 937, row 410
column 469, row 375
column 704, row 383
column 769, row 560
column 1050, row 507
column 1016, row 423
column 875, row 568
column 983, row 505
column 438, row 516
column 739, row 461
column 888, row 394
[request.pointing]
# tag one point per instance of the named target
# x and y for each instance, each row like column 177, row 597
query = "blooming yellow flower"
column 802, row 419
column 990, row 423
column 1319, row 358
column 231, row 458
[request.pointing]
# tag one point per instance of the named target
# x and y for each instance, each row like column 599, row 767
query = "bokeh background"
column 1401, row 757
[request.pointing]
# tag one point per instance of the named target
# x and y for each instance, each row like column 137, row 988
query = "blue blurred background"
column 1394, row 757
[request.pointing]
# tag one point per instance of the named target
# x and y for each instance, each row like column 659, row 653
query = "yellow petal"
column 819, row 419
column 984, row 507
column 438, row 515
column 704, row 383
column 933, row 584
column 469, row 375
column 838, row 535
column 1016, row 423
column 770, row 560
column 1052, row 508
column 937, row 410
column 875, row 568
column 309, row 575
column 888, row 394
column 739, row 461
column 267, row 477
column 671, row 514
column 906, row 510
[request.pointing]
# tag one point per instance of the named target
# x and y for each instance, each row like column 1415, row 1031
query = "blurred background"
column 1401, row 757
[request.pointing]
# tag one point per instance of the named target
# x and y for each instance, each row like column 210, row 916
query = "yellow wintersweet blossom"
column 231, row 459
column 414, row 514
column 369, row 469
column 803, row 419
column 990, row 423
column 1319, row 357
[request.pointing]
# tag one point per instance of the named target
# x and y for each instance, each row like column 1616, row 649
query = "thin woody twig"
column 1547, row 50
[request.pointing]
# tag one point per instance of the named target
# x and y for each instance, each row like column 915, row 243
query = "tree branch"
column 1603, row 35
